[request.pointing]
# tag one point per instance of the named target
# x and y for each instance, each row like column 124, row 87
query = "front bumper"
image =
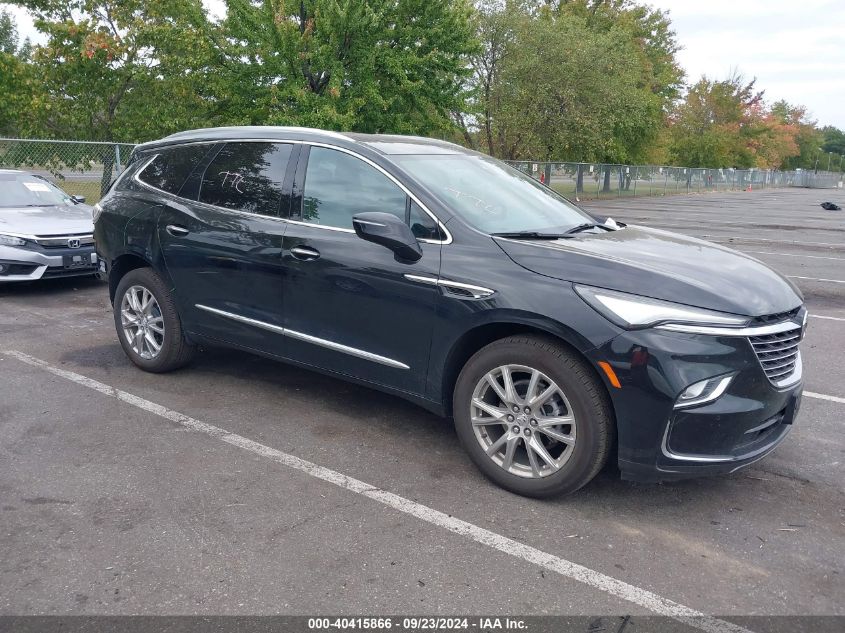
column 658, row 442
column 28, row 264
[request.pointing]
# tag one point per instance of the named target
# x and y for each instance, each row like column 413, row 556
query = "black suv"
column 441, row 275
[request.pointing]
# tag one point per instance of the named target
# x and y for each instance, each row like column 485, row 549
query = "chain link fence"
column 81, row 168
column 596, row 180
column 86, row 168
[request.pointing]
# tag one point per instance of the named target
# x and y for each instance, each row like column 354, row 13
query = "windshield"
column 492, row 196
column 28, row 190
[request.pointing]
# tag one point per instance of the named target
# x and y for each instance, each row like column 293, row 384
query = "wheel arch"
column 482, row 335
column 122, row 265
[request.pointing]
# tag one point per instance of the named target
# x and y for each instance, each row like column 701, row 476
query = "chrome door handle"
column 305, row 253
column 176, row 231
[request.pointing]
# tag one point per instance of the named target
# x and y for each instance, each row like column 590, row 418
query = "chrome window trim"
column 338, row 347
column 407, row 192
column 478, row 292
column 137, row 176
column 206, row 205
column 395, row 180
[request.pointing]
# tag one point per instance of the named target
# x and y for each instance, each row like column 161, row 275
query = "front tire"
column 533, row 416
column 148, row 324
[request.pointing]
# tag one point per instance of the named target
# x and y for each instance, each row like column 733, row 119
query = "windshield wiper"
column 529, row 235
column 586, row 227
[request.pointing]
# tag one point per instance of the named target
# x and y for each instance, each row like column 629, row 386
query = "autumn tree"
column 807, row 137
column 715, row 123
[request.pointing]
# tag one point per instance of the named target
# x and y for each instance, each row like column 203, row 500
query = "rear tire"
column 553, row 430
column 147, row 323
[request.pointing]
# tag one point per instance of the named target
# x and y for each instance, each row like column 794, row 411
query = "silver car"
column 44, row 232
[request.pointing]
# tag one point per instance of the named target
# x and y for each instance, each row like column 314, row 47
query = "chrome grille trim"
column 778, row 353
column 61, row 241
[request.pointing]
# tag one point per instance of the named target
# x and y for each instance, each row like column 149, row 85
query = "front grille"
column 61, row 241
column 777, row 353
column 775, row 318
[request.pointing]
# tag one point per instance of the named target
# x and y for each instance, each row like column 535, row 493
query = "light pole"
column 818, row 154
column 829, row 155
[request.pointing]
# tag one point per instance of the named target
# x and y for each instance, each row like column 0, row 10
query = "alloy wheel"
column 142, row 322
column 523, row 421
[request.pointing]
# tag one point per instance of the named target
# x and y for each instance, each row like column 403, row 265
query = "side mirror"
column 388, row 230
column 78, row 199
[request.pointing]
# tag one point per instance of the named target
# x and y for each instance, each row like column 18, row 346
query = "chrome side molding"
column 338, row 347
column 467, row 291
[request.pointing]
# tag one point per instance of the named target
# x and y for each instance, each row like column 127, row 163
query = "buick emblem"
column 73, row 243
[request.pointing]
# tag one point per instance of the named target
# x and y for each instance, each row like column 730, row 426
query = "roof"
column 382, row 143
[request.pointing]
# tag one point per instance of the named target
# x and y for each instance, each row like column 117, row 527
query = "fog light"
column 2, row 268
column 703, row 391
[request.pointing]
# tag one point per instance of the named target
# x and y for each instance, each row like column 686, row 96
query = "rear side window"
column 247, row 177
column 171, row 167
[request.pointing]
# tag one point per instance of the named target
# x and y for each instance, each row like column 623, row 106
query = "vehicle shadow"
column 291, row 408
column 396, row 424
column 49, row 287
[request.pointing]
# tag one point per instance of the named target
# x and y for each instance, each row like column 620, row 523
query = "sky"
column 795, row 49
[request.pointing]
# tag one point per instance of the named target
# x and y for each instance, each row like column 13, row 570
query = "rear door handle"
column 177, row 231
column 305, row 253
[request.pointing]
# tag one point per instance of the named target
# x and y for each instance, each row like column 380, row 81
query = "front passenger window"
column 338, row 185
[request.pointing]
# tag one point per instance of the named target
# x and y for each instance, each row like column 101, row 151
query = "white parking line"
column 631, row 593
column 833, row 281
column 731, row 238
column 819, row 316
column 824, row 396
column 793, row 255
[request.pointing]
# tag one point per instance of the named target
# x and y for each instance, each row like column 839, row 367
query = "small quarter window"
column 422, row 225
column 338, row 185
column 247, row 177
column 170, row 169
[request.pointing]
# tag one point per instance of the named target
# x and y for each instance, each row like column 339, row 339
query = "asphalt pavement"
column 244, row 486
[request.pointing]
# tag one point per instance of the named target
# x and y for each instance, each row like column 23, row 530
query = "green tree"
column 16, row 84
column 576, row 80
column 366, row 65
column 117, row 70
column 833, row 140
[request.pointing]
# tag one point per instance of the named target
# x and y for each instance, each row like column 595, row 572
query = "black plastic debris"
column 829, row 206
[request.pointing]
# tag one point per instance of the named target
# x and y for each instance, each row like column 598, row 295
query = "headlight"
column 633, row 312
column 11, row 240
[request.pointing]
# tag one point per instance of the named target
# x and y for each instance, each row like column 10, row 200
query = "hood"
column 61, row 220
column 661, row 265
